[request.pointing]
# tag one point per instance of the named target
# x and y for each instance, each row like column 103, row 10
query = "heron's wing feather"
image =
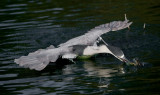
column 112, row 26
column 39, row 59
column 50, row 47
column 91, row 36
column 69, row 56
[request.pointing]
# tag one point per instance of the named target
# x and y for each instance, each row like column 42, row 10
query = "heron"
column 84, row 45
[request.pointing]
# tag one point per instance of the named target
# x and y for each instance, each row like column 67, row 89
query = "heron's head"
column 116, row 52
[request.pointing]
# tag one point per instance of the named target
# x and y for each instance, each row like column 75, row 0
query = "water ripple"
column 46, row 10
column 8, row 75
column 16, row 5
column 12, row 9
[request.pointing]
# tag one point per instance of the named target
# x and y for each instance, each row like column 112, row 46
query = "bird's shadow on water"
column 58, row 65
column 51, row 69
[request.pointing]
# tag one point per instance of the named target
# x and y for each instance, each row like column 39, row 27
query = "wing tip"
column 31, row 62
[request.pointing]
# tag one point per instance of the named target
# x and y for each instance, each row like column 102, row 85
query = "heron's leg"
column 69, row 56
column 72, row 61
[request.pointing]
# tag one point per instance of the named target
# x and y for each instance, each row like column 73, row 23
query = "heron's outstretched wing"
column 91, row 36
column 39, row 59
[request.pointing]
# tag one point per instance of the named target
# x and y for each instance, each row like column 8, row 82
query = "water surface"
column 27, row 25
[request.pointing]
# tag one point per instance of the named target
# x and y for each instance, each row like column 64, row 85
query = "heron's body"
column 89, row 51
column 75, row 48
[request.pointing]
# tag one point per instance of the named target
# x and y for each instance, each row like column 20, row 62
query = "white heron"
column 84, row 45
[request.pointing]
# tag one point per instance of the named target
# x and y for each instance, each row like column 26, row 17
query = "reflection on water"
column 27, row 25
column 98, row 71
column 104, row 74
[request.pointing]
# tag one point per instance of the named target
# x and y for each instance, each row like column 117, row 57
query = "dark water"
column 27, row 25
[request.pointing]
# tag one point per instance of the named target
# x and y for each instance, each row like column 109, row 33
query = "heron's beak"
column 124, row 60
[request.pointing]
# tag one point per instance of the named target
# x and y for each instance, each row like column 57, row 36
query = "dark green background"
column 27, row 25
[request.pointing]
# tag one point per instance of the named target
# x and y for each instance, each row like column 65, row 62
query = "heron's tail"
column 39, row 59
